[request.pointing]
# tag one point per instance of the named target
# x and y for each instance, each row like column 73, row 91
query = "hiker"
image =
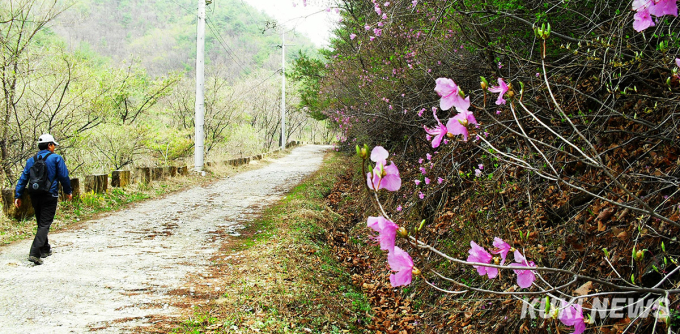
column 40, row 178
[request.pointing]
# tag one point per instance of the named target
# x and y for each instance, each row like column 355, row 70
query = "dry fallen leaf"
column 584, row 289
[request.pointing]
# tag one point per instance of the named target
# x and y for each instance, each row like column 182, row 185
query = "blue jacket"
column 56, row 170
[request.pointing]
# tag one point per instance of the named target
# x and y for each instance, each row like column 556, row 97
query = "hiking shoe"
column 35, row 260
column 44, row 255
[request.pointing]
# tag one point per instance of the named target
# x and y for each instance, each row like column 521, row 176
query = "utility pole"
column 283, row 90
column 200, row 86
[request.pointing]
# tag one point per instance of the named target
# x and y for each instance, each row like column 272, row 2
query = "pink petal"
column 399, row 260
column 643, row 20
column 391, row 183
column 401, row 278
column 664, row 7
column 677, row 62
column 379, row 154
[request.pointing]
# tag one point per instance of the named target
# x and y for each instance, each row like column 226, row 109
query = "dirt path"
column 120, row 271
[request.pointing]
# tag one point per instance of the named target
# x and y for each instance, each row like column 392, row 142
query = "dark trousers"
column 45, row 207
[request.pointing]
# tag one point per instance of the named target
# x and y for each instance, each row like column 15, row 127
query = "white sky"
column 317, row 26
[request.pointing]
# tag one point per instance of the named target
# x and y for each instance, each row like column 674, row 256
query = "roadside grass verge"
column 280, row 276
column 71, row 214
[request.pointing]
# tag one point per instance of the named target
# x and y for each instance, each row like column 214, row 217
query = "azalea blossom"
column 502, row 248
column 677, row 62
column 572, row 315
column 352, row 36
column 479, row 254
column 417, row 182
column 438, row 132
column 525, row 278
column 384, row 176
column 450, row 95
column 421, row 195
column 478, row 172
column 387, row 231
column 457, row 125
column 643, row 20
column 502, row 88
column 664, row 7
column 427, row 181
column 402, row 263
column 440, row 180
column 399, row 208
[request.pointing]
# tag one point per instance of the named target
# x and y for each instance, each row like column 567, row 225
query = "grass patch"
column 281, row 277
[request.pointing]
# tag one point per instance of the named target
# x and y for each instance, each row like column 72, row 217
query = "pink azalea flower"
column 440, row 180
column 502, row 248
column 399, row 208
column 417, row 182
column 420, row 161
column 427, row 181
column 572, row 315
column 428, row 156
column 502, row 88
column 367, row 27
column 352, row 36
column 525, row 278
column 664, row 7
column 384, row 176
column 478, row 172
column 643, row 20
column 458, row 124
column 387, row 231
column 371, row 38
column 481, row 166
column 438, row 132
column 421, row 195
column 423, row 170
column 450, row 97
column 677, row 62
column 479, row 254
column 402, row 263
column 498, row 112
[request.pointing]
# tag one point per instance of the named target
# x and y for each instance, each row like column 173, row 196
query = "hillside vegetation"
column 575, row 163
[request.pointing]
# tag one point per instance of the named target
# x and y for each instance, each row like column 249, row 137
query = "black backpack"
column 38, row 183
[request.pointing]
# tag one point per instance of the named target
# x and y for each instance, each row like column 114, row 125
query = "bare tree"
column 20, row 22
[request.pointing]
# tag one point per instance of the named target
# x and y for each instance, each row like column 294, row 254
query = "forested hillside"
column 548, row 130
column 113, row 81
column 161, row 34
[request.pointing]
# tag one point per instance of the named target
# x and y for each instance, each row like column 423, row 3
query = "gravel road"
column 118, row 272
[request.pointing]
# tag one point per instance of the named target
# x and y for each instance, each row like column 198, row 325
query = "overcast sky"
column 316, row 26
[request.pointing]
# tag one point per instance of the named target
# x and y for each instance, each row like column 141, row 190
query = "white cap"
column 47, row 138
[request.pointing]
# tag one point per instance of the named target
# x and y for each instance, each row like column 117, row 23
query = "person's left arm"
column 62, row 176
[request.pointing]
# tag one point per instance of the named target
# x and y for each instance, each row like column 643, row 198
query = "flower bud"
column 484, row 83
column 364, row 153
column 510, row 94
column 415, row 271
column 463, row 122
column 402, row 232
column 639, row 255
column 461, row 93
column 358, row 150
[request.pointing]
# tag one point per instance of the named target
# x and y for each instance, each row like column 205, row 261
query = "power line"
column 221, row 41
